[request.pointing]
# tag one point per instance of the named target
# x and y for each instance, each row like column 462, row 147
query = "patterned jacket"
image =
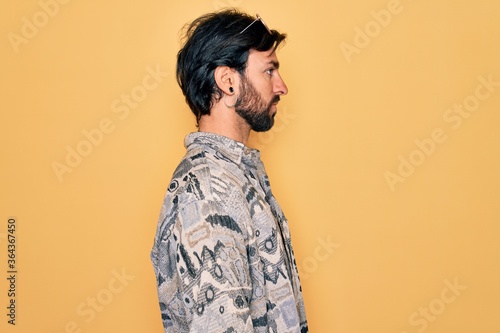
column 222, row 254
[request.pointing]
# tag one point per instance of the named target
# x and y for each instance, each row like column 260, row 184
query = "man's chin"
column 265, row 127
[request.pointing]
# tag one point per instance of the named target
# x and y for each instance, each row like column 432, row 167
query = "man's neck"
column 225, row 123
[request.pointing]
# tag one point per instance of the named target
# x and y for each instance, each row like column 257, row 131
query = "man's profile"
column 222, row 254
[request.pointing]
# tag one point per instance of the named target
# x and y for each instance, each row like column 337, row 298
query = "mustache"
column 275, row 99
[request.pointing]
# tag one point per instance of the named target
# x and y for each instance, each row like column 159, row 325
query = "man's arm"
column 202, row 270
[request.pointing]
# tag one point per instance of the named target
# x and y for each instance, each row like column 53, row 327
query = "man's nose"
column 280, row 87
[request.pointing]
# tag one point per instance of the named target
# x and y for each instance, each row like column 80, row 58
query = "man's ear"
column 227, row 79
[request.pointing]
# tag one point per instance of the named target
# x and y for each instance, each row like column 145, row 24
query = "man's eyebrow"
column 275, row 63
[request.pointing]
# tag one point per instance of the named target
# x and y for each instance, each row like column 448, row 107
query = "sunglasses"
column 258, row 19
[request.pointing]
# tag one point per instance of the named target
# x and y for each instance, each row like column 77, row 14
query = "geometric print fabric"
column 222, row 253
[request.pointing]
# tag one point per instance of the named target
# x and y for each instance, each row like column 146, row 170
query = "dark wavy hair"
column 213, row 40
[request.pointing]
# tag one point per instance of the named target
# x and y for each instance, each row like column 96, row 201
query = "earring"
column 231, row 90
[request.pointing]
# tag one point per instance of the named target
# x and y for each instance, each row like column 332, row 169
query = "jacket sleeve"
column 202, row 268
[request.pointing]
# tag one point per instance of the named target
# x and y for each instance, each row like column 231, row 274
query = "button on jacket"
column 222, row 254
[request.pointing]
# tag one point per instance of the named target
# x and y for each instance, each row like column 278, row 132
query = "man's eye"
column 270, row 71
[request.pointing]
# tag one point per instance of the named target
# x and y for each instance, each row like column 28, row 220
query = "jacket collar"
column 231, row 149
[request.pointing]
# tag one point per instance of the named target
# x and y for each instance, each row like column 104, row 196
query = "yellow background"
column 349, row 119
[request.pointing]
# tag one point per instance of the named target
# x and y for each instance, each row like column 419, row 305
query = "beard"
column 252, row 107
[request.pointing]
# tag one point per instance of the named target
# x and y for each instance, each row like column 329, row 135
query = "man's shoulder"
column 203, row 163
column 201, row 171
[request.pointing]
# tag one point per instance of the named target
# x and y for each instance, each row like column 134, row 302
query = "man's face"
column 260, row 90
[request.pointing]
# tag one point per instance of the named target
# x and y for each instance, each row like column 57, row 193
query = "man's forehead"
column 264, row 57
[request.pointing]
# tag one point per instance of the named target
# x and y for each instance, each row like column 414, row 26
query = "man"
column 222, row 253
